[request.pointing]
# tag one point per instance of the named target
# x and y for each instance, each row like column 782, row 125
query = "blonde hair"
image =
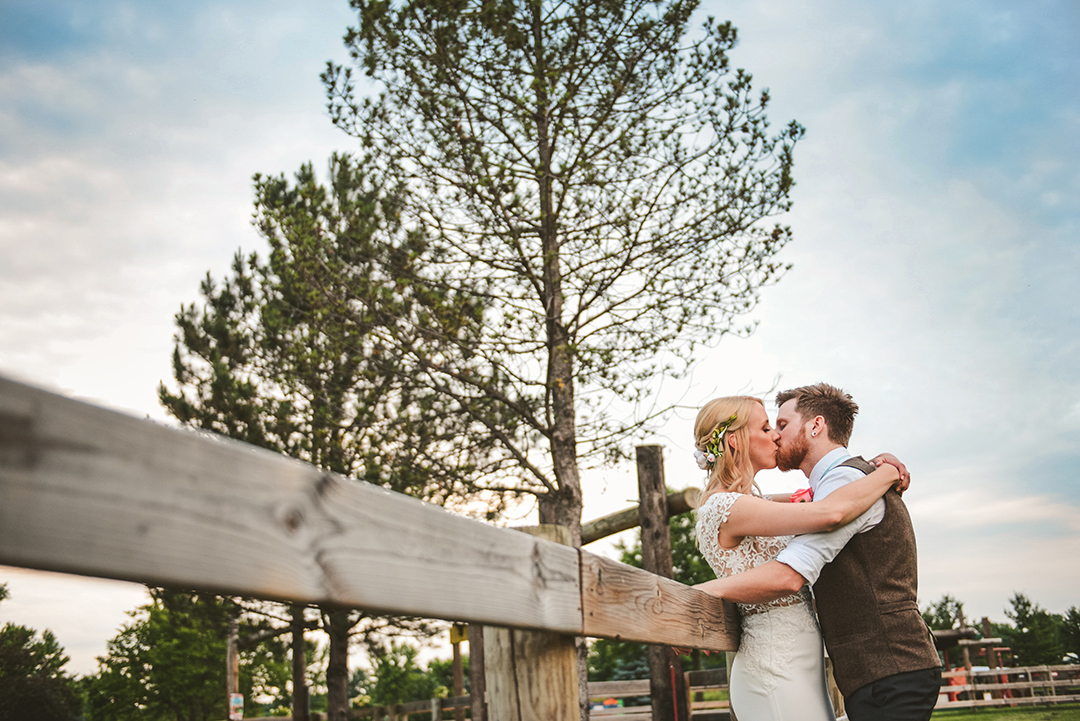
column 732, row 470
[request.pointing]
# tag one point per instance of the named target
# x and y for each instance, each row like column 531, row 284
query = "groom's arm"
column 765, row 583
column 806, row 555
column 799, row 563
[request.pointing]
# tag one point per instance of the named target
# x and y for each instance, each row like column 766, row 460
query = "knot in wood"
column 293, row 519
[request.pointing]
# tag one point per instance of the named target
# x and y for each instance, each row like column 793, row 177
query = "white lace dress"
column 779, row 672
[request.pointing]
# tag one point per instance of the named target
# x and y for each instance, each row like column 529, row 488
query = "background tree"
column 168, row 663
column 441, row 671
column 594, row 176
column 1034, row 635
column 398, row 676
column 943, row 614
column 33, row 683
column 1070, row 634
column 271, row 358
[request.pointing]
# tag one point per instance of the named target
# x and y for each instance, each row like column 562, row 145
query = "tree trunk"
column 337, row 669
column 563, row 507
column 299, row 667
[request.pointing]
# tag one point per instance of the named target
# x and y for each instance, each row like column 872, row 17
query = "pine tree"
column 1070, row 634
column 33, row 682
column 945, row 613
column 1034, row 635
column 302, row 353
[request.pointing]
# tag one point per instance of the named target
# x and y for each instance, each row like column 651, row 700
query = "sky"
column 935, row 262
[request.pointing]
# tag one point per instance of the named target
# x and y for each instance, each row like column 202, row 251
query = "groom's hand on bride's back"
column 905, row 477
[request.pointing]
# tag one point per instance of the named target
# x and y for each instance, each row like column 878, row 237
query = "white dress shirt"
column 809, row 553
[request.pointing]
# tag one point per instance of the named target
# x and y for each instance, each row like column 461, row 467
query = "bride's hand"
column 905, row 477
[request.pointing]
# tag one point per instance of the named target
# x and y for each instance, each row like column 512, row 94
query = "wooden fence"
column 1014, row 686
column 1001, row 687
column 94, row 492
column 696, row 681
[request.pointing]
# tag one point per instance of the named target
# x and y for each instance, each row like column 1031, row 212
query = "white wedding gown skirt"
column 779, row 672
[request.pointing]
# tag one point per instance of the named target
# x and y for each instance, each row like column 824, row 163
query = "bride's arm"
column 752, row 516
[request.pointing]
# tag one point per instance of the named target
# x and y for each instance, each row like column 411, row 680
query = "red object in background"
column 803, row 495
column 956, row 681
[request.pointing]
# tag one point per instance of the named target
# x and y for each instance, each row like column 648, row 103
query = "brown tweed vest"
column 867, row 605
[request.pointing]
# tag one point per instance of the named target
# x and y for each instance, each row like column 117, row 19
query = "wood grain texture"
column 531, row 675
column 624, row 602
column 95, row 492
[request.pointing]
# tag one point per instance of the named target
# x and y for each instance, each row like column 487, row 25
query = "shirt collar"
column 826, row 464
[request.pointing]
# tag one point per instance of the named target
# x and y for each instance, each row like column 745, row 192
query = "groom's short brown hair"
column 821, row 399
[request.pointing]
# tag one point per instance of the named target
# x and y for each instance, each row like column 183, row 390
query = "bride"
column 778, row 673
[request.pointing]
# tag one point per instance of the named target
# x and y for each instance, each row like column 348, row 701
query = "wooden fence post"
column 477, row 673
column 301, row 708
column 531, row 675
column 232, row 658
column 667, row 685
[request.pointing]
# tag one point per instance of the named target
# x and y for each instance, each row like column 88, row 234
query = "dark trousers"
column 908, row 696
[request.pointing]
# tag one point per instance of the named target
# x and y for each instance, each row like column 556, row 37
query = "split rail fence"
column 93, row 492
column 696, row 681
column 1010, row 686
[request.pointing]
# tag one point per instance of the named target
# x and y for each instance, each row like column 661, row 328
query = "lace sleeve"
column 716, row 510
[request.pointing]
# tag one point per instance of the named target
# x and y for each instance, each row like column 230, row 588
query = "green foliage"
column 303, row 352
column 944, row 613
column 294, row 353
column 33, row 683
column 1034, row 636
column 1070, row 634
column 611, row 660
column 593, row 177
column 399, row 679
column 168, row 663
column 688, row 565
column 442, row 673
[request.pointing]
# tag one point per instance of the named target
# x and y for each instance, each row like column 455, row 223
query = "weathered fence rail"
column 89, row 491
column 696, row 681
column 1011, row 686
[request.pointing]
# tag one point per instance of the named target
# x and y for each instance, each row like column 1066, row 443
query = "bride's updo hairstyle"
column 732, row 471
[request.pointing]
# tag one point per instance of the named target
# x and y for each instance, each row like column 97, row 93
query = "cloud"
column 974, row 510
column 49, row 601
column 132, row 176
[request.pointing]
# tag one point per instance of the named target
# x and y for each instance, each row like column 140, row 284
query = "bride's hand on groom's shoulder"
column 687, row 651
column 905, row 477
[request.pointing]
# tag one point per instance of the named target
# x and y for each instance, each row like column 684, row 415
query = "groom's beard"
column 790, row 457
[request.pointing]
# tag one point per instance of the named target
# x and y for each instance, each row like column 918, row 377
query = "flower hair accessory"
column 714, row 447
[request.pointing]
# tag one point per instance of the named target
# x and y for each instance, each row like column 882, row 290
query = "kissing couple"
column 853, row 544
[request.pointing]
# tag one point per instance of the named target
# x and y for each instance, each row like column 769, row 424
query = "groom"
column 864, row 574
